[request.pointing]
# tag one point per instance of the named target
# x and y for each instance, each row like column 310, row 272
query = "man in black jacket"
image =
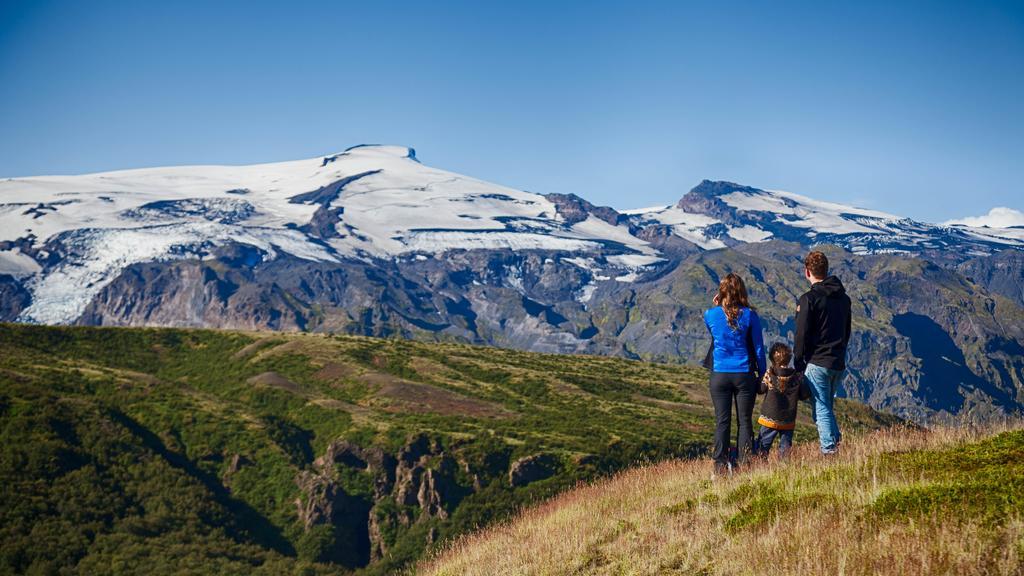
column 822, row 334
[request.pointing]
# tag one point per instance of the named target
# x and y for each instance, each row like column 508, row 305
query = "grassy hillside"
column 171, row 451
column 895, row 502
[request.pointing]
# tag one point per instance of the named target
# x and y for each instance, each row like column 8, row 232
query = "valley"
column 261, row 452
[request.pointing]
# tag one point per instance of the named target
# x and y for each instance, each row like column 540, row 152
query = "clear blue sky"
column 915, row 108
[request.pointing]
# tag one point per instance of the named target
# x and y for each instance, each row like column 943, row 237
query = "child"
column 783, row 388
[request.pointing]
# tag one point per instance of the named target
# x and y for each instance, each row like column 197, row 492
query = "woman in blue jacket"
column 737, row 363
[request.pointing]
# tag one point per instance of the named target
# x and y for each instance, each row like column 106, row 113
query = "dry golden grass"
column 672, row 518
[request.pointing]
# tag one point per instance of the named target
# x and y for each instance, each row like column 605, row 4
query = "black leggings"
column 725, row 386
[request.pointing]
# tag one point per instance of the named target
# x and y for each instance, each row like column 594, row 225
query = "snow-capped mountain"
column 719, row 214
column 371, row 241
column 74, row 234
column 66, row 237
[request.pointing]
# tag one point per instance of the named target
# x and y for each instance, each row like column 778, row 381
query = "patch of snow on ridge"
column 633, row 260
column 832, row 207
column 586, row 263
column 678, row 217
column 596, row 228
column 704, row 241
column 757, row 202
column 649, row 209
column 447, row 240
column 819, row 222
column 804, row 212
column 16, row 264
column 686, row 225
column 636, row 264
column 749, row 234
column 586, row 293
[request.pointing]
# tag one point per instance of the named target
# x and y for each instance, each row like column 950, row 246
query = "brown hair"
column 780, row 355
column 817, row 264
column 732, row 297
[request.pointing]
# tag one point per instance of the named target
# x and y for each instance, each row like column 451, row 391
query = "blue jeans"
column 824, row 383
column 765, row 438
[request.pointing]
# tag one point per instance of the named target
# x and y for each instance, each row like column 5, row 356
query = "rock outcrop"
column 575, row 209
column 416, row 484
column 532, row 468
column 13, row 298
column 235, row 464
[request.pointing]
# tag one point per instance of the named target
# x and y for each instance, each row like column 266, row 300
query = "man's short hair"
column 817, row 264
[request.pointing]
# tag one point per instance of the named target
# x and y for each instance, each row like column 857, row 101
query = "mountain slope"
column 223, row 452
column 895, row 502
column 372, row 242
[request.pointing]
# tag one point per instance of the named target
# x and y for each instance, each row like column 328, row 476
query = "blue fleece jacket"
column 730, row 346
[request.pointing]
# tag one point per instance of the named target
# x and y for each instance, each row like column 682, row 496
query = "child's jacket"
column 783, row 388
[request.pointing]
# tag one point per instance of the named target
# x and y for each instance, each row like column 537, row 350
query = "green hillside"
column 181, row 451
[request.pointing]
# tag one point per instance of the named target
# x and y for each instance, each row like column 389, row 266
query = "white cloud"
column 1000, row 217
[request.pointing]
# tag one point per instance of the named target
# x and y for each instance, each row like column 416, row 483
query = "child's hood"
column 786, row 375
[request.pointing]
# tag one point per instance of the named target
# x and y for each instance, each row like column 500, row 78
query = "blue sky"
column 914, row 108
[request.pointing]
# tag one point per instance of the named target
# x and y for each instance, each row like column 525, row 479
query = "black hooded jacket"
column 783, row 388
column 822, row 326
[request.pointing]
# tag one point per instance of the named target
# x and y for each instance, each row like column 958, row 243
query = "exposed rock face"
column 575, row 209
column 662, row 237
column 324, row 223
column 374, row 461
column 378, row 544
column 324, row 195
column 1001, row 273
column 13, row 298
column 532, row 468
column 705, row 198
column 421, row 477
